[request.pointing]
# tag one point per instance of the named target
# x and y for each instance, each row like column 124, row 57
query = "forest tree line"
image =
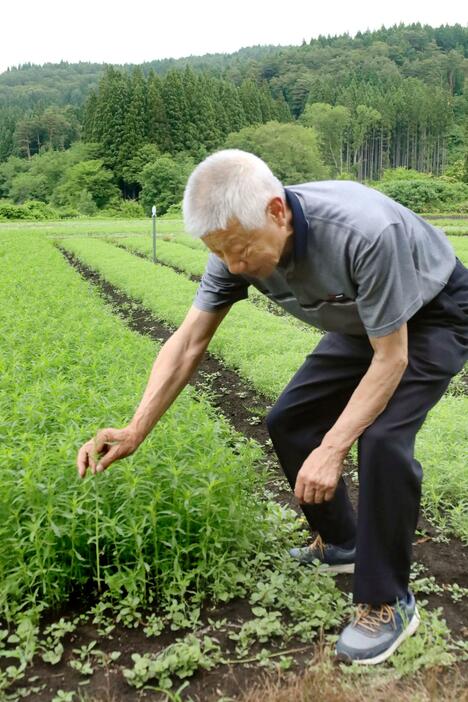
column 382, row 100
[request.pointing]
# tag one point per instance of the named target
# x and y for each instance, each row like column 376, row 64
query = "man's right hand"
column 107, row 446
column 172, row 369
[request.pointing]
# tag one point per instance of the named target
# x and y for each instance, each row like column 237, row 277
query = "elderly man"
column 387, row 288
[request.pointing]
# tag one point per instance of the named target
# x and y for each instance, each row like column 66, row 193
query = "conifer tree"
column 89, row 117
column 134, row 133
column 219, row 106
column 204, row 116
column 157, row 127
column 232, row 102
column 109, row 122
column 177, row 112
column 465, row 166
column 251, row 102
column 267, row 106
column 282, row 111
column 194, row 117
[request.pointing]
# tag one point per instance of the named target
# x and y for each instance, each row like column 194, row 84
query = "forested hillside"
column 384, row 99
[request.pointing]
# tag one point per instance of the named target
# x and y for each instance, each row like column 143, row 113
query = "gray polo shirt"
column 361, row 263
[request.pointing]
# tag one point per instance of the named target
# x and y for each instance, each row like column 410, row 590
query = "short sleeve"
column 218, row 287
column 388, row 292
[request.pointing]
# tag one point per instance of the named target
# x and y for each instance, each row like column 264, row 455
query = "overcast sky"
column 133, row 31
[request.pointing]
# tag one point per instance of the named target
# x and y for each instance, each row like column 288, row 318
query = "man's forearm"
column 366, row 403
column 171, row 371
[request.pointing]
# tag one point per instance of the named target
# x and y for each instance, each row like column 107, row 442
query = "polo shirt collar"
column 300, row 227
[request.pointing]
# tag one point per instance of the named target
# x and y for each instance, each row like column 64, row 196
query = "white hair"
column 230, row 184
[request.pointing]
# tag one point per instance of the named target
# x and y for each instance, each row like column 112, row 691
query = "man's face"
column 255, row 252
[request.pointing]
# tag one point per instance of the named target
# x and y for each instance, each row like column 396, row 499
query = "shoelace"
column 371, row 618
column 318, row 544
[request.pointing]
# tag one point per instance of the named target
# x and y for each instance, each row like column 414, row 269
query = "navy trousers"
column 389, row 475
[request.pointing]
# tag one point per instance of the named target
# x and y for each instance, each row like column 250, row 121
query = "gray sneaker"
column 332, row 559
column 376, row 632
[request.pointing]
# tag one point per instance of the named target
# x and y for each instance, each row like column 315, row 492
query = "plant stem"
column 96, row 527
column 272, row 655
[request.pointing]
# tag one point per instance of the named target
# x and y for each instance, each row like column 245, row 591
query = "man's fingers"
column 299, row 488
column 308, row 495
column 82, row 461
column 107, row 436
column 85, row 459
column 106, row 447
column 112, row 455
column 314, row 494
column 329, row 494
column 319, row 497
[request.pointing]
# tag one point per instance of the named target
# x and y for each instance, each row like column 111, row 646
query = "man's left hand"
column 317, row 479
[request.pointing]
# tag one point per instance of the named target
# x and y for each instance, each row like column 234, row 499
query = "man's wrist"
column 337, row 444
column 137, row 431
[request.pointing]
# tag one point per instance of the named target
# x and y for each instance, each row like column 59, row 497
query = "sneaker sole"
column 410, row 629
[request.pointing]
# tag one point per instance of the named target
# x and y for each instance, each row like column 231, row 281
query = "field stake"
column 153, row 217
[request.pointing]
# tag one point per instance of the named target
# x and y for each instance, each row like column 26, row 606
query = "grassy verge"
column 91, row 227
column 460, row 244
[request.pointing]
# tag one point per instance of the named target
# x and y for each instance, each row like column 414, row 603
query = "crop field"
column 455, row 225
column 165, row 577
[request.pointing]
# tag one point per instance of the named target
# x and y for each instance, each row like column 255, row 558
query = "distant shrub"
column 426, row 194
column 460, row 207
column 163, row 181
column 31, row 210
column 67, row 212
column 35, row 209
column 402, row 173
column 291, row 150
column 10, row 211
column 86, row 204
column 174, row 211
column 85, row 180
column 455, row 172
column 129, row 209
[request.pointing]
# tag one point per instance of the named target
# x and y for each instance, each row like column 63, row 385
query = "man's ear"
column 277, row 210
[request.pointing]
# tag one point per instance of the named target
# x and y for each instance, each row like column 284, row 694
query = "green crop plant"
column 442, row 448
column 456, row 227
column 429, row 647
column 182, row 659
column 173, row 521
